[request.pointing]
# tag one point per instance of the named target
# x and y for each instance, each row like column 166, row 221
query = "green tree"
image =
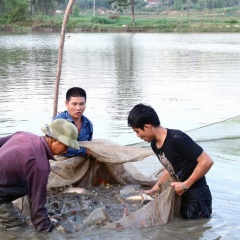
column 177, row 5
column 75, row 12
column 2, row 6
column 47, row 7
column 121, row 5
column 16, row 10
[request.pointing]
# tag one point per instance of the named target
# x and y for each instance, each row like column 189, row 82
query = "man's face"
column 76, row 107
column 145, row 134
column 58, row 148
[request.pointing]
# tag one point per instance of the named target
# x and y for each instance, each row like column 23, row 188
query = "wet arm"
column 205, row 162
column 164, row 177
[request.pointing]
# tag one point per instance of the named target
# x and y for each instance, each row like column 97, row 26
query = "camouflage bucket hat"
column 63, row 131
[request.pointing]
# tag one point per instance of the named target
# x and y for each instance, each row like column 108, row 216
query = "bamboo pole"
column 60, row 55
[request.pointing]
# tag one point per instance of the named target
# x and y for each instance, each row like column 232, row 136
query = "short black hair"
column 142, row 114
column 75, row 92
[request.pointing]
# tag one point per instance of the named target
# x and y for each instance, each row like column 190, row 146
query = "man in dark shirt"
column 24, row 170
column 185, row 162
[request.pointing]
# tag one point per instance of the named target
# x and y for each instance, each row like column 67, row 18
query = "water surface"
column 192, row 80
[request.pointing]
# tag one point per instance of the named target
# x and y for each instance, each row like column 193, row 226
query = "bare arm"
column 205, row 162
column 164, row 177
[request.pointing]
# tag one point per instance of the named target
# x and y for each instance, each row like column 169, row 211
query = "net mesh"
column 221, row 139
column 162, row 209
column 108, row 163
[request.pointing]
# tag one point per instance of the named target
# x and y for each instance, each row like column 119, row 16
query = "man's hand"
column 88, row 151
column 179, row 187
column 157, row 187
column 153, row 190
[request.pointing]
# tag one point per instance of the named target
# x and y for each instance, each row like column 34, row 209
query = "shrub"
column 231, row 21
column 114, row 16
column 75, row 12
column 102, row 20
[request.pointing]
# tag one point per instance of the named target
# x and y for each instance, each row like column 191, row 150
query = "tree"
column 121, row 5
column 16, row 10
column 2, row 6
column 177, row 5
column 60, row 55
column 48, row 7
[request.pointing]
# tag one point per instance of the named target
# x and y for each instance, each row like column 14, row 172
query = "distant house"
column 59, row 12
column 151, row 3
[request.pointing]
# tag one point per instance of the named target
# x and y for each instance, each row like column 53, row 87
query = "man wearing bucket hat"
column 24, row 170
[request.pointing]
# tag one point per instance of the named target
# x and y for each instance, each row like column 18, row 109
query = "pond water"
column 192, row 80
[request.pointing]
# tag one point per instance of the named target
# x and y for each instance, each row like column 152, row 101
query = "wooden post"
column 60, row 55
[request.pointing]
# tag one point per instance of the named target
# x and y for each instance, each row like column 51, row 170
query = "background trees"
column 14, row 10
column 48, row 7
column 20, row 10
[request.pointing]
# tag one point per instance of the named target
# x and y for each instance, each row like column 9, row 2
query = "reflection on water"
column 192, row 80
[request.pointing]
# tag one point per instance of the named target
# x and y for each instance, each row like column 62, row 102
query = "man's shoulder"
column 176, row 133
column 87, row 120
column 24, row 134
column 176, row 137
column 21, row 137
column 63, row 115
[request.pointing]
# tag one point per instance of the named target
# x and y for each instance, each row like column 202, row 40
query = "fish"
column 77, row 190
column 67, row 224
column 97, row 216
column 159, row 211
column 136, row 198
column 130, row 190
column 134, row 193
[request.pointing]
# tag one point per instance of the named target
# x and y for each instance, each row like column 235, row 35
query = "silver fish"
column 67, row 224
column 97, row 217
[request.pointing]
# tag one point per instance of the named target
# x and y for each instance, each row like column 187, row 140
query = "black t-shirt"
column 182, row 152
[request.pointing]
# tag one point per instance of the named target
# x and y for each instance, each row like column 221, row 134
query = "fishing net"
column 108, row 163
column 113, row 163
column 159, row 211
column 221, row 139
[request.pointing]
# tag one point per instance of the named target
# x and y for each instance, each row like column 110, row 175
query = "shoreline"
column 217, row 29
column 168, row 22
column 175, row 28
column 49, row 29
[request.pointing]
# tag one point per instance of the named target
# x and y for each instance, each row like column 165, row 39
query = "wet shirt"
column 24, row 170
column 85, row 134
column 182, row 152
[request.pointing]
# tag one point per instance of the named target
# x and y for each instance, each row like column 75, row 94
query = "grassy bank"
column 218, row 21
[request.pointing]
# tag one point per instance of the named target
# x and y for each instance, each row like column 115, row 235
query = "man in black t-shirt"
column 185, row 162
